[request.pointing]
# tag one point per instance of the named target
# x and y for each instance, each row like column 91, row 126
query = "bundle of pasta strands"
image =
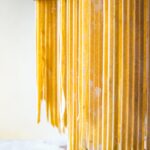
column 49, row 84
column 94, row 71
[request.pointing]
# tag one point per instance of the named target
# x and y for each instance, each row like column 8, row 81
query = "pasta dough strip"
column 93, row 62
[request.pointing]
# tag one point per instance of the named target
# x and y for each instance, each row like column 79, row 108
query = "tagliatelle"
column 93, row 71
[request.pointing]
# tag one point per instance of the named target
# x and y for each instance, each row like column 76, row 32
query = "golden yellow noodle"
column 93, row 71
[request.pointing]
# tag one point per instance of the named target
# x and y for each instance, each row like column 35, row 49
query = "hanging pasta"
column 48, row 62
column 93, row 71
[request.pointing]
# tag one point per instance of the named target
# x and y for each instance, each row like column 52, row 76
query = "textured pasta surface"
column 93, row 71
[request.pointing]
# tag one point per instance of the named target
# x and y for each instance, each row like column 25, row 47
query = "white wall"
column 18, row 73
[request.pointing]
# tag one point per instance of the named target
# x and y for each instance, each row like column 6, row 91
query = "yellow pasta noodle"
column 93, row 71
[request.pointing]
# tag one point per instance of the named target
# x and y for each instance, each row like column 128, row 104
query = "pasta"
column 93, row 71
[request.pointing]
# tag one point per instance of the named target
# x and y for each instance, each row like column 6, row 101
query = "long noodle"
column 93, row 71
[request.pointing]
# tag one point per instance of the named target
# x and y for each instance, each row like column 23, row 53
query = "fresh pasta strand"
column 93, row 71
